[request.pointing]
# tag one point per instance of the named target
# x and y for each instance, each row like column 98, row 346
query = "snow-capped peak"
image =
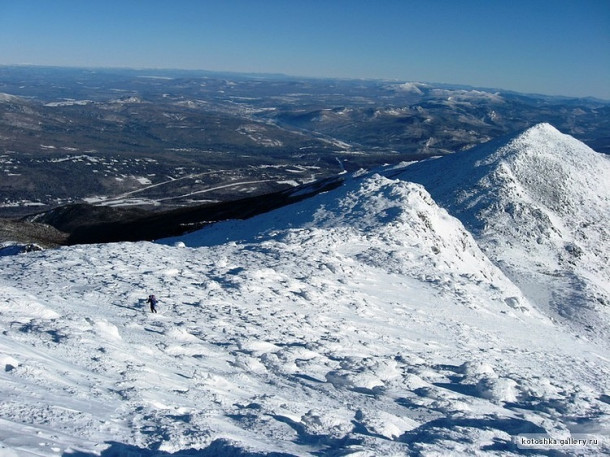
column 538, row 204
column 556, row 169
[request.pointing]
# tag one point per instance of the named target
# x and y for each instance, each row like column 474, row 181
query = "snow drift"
column 366, row 321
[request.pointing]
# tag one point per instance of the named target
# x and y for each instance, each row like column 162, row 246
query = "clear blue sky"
column 559, row 47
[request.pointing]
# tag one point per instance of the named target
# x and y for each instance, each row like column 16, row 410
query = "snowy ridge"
column 365, row 321
column 538, row 205
column 385, row 223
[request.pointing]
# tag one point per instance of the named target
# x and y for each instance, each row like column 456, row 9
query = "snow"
column 143, row 180
column 68, row 102
column 413, row 87
column 4, row 97
column 466, row 96
column 367, row 320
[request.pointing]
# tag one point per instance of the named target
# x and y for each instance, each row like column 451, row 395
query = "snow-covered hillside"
column 364, row 321
column 538, row 205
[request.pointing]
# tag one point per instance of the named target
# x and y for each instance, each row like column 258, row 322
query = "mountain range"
column 453, row 306
column 156, row 140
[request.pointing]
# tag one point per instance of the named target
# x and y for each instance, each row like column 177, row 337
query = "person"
column 153, row 303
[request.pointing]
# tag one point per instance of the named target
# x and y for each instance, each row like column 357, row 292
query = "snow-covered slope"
column 362, row 321
column 538, row 205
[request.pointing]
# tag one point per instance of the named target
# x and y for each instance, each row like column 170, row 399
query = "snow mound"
column 538, row 205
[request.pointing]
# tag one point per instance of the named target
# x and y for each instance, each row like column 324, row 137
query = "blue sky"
column 557, row 47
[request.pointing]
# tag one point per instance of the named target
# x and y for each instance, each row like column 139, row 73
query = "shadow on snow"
column 218, row 448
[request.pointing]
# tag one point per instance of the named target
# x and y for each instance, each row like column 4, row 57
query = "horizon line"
column 289, row 76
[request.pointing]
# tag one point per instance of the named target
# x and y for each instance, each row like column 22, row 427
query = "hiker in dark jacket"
column 153, row 303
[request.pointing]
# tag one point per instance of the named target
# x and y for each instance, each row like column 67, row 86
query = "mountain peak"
column 537, row 204
column 552, row 168
column 541, row 139
column 542, row 128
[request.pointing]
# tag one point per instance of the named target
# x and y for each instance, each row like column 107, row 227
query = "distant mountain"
column 538, row 205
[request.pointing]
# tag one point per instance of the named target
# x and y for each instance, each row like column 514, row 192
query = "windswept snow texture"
column 364, row 321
